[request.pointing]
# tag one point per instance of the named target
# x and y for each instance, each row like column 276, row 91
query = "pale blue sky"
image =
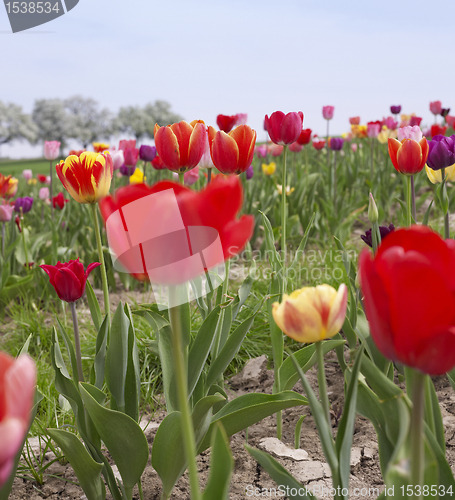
column 208, row 57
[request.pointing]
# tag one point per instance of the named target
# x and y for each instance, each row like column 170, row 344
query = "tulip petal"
column 90, row 268
column 183, row 131
column 12, row 434
column 291, row 128
column 394, row 147
column 196, row 145
column 337, row 313
column 236, row 235
column 437, row 356
column 67, row 285
column 225, row 153
column 409, row 157
column 20, row 382
column 167, row 146
column 273, row 126
column 245, row 137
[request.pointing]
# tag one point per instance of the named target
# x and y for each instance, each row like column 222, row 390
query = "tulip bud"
column 373, row 214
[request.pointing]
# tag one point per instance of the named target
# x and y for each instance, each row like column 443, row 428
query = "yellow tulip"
column 137, row 177
column 269, row 169
column 32, row 182
column 289, row 190
column 312, row 314
column 435, row 176
column 359, row 131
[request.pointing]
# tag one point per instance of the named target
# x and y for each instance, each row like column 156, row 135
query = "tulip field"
column 212, row 317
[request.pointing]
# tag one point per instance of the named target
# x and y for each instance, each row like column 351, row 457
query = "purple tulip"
column 384, row 230
column 249, row 172
column 336, row 143
column 126, row 170
column 445, row 112
column 395, row 110
column 24, row 203
column 442, row 152
column 147, row 153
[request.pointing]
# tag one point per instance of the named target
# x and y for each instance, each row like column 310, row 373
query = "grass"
column 15, row 167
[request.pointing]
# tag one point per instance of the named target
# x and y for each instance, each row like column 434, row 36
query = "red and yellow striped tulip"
column 8, row 186
column 87, row 178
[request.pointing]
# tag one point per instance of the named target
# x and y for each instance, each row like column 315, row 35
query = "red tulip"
column 318, row 144
column 170, row 228
column 409, row 298
column 295, row 147
column 17, row 389
column 69, row 278
column 232, row 153
column 355, row 120
column 42, row 178
column 436, row 107
column 408, row 156
column 438, row 130
column 59, row 201
column 226, row 123
column 304, row 137
column 123, row 144
column 284, row 129
column 181, row 145
column 157, row 163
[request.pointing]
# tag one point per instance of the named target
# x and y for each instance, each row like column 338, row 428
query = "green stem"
column 283, row 220
column 209, row 175
column 144, row 168
column 77, row 342
column 175, row 316
column 416, row 430
column 182, row 178
column 139, row 487
column 23, row 241
column 3, row 239
column 334, row 179
column 409, row 201
column 413, row 198
column 103, row 266
column 446, row 215
column 322, row 383
column 50, row 189
column 372, row 161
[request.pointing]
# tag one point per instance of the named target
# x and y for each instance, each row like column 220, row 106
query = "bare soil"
column 249, row 479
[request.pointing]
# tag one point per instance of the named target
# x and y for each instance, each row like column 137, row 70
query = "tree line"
column 81, row 119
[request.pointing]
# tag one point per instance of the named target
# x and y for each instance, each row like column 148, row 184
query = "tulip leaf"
column 167, row 367
column 122, row 436
column 200, row 348
column 280, row 475
column 276, row 335
column 117, row 358
column 221, row 466
column 227, row 353
column 426, row 217
column 242, row 295
column 274, row 257
column 133, row 375
column 87, row 470
column 246, row 410
column 433, row 416
column 303, row 242
column 100, row 354
column 225, row 323
column 167, row 457
column 345, row 431
column 306, row 358
column 446, row 477
column 94, row 306
column 69, row 350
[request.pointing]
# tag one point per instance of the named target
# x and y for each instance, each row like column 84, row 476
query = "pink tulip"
column 261, row 151
column 206, row 160
column 118, row 158
column 355, row 120
column 17, row 390
column 27, row 174
column 295, row 147
column 242, row 118
column 131, row 156
column 123, row 144
column 284, row 129
column 327, row 112
column 436, row 107
column 6, row 212
column 191, row 176
column 275, row 149
column 51, row 149
column 373, row 129
column 390, row 123
column 43, row 193
column 354, row 147
column 450, row 120
column 413, row 133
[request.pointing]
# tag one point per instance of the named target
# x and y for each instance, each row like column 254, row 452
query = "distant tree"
column 52, row 119
column 15, row 124
column 140, row 122
column 87, row 122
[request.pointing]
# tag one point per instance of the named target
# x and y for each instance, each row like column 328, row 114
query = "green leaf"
column 433, row 415
column 122, row 436
column 94, row 306
column 242, row 295
column 228, row 352
column 221, row 466
column 13, row 287
column 87, row 470
column 303, row 243
column 200, row 349
column 280, row 475
column 117, row 357
column 426, row 217
column 100, row 353
column 246, row 410
column 167, row 367
column 133, row 375
column 306, row 358
column 24, row 349
column 276, row 335
column 345, row 431
column 274, row 258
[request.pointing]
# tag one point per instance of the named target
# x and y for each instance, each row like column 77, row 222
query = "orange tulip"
column 8, row 186
column 181, row 145
column 232, row 153
column 87, row 177
column 408, row 156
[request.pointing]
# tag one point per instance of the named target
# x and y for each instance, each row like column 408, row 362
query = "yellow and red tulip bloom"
column 8, row 186
column 181, row 145
column 312, row 314
column 232, row 153
column 408, row 156
column 87, row 177
column 99, row 147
